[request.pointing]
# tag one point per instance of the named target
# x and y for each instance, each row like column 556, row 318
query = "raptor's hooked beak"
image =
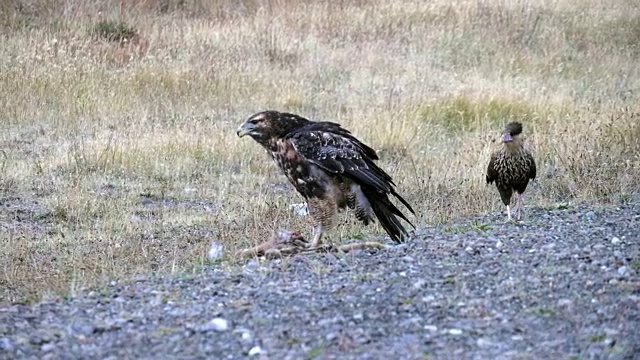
column 245, row 129
column 506, row 137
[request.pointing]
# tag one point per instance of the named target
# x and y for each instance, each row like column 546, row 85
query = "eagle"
column 511, row 167
column 331, row 169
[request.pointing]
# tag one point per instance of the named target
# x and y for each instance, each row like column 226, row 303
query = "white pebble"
column 216, row 324
column 431, row 328
column 48, row 347
column 623, row 271
column 215, row 251
column 419, row 284
column 300, row 209
column 615, row 240
column 484, row 343
column 428, row 298
column 256, row 350
column 245, row 334
column 564, row 302
column 499, row 244
column 455, row 331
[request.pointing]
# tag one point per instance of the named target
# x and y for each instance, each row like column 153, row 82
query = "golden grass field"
column 120, row 159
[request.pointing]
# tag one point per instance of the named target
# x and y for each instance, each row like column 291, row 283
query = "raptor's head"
column 511, row 132
column 268, row 125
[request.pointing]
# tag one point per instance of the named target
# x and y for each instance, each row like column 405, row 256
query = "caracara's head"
column 512, row 132
column 267, row 126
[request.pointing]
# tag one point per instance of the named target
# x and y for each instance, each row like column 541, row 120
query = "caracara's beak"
column 245, row 129
column 506, row 137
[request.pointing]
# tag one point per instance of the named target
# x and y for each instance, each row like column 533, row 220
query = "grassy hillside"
column 118, row 152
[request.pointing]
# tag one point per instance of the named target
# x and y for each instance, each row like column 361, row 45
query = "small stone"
column 80, row 328
column 499, row 244
column 245, row 334
column 299, row 209
column 358, row 316
column 623, row 271
column 40, row 337
column 50, row 356
column 431, row 328
column 564, row 302
column 615, row 240
column 47, row 347
column 215, row 251
column 256, row 350
column 217, row 324
column 484, row 343
column 331, row 336
column 428, row 298
column 419, row 284
column 6, row 344
column 455, row 332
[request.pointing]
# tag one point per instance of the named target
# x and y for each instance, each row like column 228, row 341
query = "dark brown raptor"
column 331, row 169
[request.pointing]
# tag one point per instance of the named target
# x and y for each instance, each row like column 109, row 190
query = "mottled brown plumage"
column 330, row 168
column 512, row 167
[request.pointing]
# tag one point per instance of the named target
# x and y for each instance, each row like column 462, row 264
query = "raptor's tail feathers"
column 388, row 214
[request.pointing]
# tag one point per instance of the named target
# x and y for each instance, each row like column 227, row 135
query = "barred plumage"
column 511, row 168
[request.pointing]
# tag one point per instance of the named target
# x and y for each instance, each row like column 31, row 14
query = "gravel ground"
column 564, row 284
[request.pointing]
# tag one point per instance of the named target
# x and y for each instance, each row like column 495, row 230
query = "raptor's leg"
column 322, row 212
column 508, row 213
column 317, row 236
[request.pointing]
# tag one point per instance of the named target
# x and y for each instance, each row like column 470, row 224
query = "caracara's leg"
column 519, row 208
column 505, row 195
column 516, row 205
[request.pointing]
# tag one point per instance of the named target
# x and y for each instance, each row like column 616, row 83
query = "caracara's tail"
column 388, row 214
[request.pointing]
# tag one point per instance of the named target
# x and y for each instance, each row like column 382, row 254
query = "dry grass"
column 120, row 158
